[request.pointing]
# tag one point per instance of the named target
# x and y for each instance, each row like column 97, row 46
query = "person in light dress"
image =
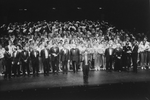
column 2, row 51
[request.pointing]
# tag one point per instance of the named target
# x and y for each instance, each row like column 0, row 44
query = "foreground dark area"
column 118, row 91
column 102, row 85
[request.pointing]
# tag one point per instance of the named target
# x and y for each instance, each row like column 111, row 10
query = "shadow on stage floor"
column 102, row 85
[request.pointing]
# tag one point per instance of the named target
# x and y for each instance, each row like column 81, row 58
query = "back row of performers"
column 53, row 59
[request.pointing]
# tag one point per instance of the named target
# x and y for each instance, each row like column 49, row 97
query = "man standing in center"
column 86, row 58
column 75, row 58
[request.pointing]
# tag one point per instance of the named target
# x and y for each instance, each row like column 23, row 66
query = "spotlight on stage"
column 53, row 8
column 78, row 8
column 100, row 8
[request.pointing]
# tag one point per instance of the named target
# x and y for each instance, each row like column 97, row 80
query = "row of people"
column 54, row 56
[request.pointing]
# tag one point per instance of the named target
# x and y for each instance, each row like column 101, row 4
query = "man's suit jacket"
column 54, row 51
column 25, row 56
column 135, row 52
column 135, row 49
column 64, row 56
column 43, row 55
column 89, row 58
column 107, row 54
column 7, row 58
column 126, row 49
column 75, row 54
column 118, row 53
column 16, row 58
column 34, row 58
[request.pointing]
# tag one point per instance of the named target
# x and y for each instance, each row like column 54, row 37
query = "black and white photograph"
column 74, row 49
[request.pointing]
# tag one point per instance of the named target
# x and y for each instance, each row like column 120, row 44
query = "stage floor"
column 96, row 78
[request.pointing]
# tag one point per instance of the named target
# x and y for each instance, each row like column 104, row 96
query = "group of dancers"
column 55, row 46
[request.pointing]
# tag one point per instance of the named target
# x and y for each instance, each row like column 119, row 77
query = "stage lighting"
column 100, row 8
column 78, row 8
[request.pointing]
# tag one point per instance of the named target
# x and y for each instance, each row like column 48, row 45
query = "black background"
column 126, row 14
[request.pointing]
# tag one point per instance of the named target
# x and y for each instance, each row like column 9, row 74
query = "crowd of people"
column 32, row 48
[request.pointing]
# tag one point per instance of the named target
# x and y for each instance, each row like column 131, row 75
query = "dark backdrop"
column 126, row 14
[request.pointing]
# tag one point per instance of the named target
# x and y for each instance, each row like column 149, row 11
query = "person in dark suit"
column 54, row 52
column 25, row 61
column 35, row 61
column 16, row 61
column 45, row 55
column 118, row 58
column 134, row 55
column 7, row 63
column 86, row 58
column 109, row 54
column 65, row 56
column 75, row 58
column 127, row 53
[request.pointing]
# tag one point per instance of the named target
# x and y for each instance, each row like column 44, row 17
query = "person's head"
column 118, row 46
column 145, row 38
column 14, row 49
column 110, row 43
column 73, row 46
column 17, row 47
column 86, row 51
column 45, row 46
column 135, row 42
column 24, row 48
column 127, row 44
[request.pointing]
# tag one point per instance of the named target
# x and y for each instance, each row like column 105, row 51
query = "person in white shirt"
column 143, row 48
column 2, row 51
column 146, row 46
column 141, row 54
column 148, row 56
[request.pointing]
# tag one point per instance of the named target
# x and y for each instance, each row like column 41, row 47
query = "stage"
column 101, row 81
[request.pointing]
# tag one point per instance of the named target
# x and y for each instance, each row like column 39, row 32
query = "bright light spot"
column 53, row 8
column 78, row 8
column 100, row 7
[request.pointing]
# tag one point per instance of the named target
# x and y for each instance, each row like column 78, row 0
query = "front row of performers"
column 118, row 59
